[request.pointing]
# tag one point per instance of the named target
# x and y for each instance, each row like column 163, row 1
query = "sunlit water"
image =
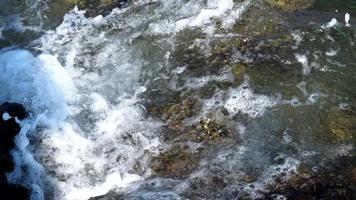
column 99, row 90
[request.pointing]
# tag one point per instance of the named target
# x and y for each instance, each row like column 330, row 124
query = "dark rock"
column 14, row 109
column 16, row 192
column 334, row 181
column 9, row 128
column 103, row 7
column 7, row 164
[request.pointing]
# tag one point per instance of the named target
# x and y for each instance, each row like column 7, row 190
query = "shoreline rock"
column 10, row 113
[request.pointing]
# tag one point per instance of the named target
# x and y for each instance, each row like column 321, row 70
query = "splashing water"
column 93, row 86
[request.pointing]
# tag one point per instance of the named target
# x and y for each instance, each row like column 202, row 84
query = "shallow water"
column 178, row 99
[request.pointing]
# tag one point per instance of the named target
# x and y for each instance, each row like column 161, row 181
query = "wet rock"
column 261, row 21
column 98, row 7
column 211, row 130
column 178, row 162
column 289, row 5
column 10, row 113
column 239, row 72
column 342, row 124
column 332, row 181
column 354, row 174
column 9, row 128
column 177, row 113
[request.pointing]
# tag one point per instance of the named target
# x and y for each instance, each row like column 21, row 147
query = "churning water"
column 176, row 99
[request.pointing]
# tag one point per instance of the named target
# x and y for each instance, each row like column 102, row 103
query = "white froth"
column 39, row 83
column 113, row 180
column 331, row 53
column 297, row 38
column 243, row 100
column 43, row 86
column 215, row 8
column 314, row 97
column 303, row 59
column 200, row 82
column 347, row 20
column 332, row 23
column 223, row 9
column 98, row 102
column 106, row 137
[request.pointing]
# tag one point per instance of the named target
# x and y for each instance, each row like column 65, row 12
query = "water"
column 214, row 99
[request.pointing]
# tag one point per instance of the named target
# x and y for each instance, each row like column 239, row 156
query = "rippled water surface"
column 182, row 99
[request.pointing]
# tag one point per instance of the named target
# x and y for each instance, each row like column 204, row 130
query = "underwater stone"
column 342, row 125
column 211, row 130
column 178, row 162
column 290, row 5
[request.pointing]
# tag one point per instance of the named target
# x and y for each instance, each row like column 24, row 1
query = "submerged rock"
column 98, row 7
column 291, row 4
column 342, row 125
column 333, row 180
column 10, row 113
column 177, row 113
column 178, row 162
column 211, row 130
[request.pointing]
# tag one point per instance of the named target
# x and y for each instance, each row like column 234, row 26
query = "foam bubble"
column 6, row 116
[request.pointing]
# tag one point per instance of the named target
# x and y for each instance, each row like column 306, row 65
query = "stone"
column 289, row 5
column 10, row 113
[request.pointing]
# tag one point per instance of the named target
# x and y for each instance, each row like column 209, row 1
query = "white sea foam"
column 331, row 52
column 347, row 20
column 303, row 59
column 223, row 9
column 43, row 87
column 40, row 83
column 333, row 22
column 243, row 100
